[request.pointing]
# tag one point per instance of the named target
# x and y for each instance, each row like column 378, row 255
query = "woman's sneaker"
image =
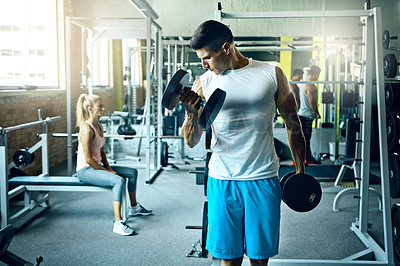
column 120, row 227
column 139, row 211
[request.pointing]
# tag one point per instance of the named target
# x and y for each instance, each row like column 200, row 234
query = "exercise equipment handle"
column 48, row 120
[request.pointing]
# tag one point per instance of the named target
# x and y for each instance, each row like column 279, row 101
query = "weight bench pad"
column 46, row 180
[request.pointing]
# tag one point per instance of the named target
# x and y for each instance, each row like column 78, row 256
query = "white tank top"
column 305, row 107
column 242, row 133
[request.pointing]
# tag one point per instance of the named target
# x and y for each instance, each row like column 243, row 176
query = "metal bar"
column 32, row 124
column 16, row 191
column 45, row 153
column 169, row 62
column 175, row 58
column 380, row 93
column 121, row 136
column 160, row 93
column 69, row 88
column 296, row 262
column 266, row 42
column 4, row 211
column 325, row 82
column 276, row 48
column 368, row 241
column 90, row 57
column 66, row 188
column 295, row 14
column 148, row 96
column 366, row 91
column 155, row 174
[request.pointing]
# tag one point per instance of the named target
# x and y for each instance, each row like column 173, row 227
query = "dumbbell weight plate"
column 171, row 94
column 6, row 236
column 392, row 123
column 388, row 96
column 208, row 138
column 208, row 157
column 386, row 39
column 204, row 231
column 301, row 192
column 23, row 157
column 164, row 154
column 396, row 231
column 394, row 175
column 212, row 108
column 390, row 66
column 285, row 177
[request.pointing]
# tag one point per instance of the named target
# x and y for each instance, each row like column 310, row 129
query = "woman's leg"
column 103, row 178
column 106, row 179
column 130, row 174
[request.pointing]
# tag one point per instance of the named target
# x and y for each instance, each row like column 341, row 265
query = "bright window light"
column 28, row 46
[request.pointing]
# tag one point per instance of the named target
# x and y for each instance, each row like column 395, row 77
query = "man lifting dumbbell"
column 243, row 189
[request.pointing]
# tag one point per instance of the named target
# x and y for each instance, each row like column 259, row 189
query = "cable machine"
column 372, row 55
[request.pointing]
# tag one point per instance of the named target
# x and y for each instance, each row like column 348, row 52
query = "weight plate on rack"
column 396, row 231
column 394, row 175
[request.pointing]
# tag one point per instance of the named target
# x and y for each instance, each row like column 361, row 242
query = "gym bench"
column 36, row 189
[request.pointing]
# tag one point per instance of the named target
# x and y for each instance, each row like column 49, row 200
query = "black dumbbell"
column 386, row 39
column 177, row 86
column 301, row 192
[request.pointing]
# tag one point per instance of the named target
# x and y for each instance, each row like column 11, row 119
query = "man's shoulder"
column 311, row 87
column 262, row 64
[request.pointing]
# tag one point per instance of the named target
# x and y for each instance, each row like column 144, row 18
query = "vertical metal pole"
column 169, row 63
column 183, row 56
column 90, row 61
column 68, row 79
column 366, row 91
column 175, row 58
column 159, row 61
column 337, row 112
column 218, row 12
column 4, row 214
column 148, row 96
column 45, row 150
column 387, row 223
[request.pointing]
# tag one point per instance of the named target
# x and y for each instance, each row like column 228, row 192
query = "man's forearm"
column 297, row 147
column 191, row 131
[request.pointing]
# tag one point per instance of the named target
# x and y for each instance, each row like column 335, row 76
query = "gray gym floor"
column 77, row 228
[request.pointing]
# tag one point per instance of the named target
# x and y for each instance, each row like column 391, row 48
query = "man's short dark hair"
column 298, row 71
column 315, row 70
column 211, row 35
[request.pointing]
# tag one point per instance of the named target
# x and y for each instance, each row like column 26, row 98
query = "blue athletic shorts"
column 243, row 217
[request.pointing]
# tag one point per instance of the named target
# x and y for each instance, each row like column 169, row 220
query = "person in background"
column 308, row 110
column 243, row 189
column 296, row 76
column 93, row 167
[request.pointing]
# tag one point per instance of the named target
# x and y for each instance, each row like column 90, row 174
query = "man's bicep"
column 286, row 104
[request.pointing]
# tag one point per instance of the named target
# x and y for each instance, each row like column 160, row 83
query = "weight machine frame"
column 4, row 166
column 372, row 53
column 152, row 32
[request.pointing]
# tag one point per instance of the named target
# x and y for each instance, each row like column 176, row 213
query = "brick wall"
column 19, row 108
